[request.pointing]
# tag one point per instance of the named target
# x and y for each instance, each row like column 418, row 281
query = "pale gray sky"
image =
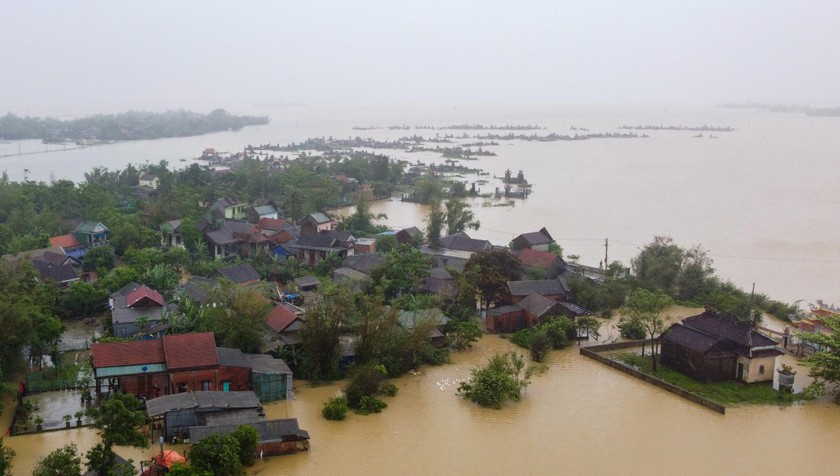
column 70, row 57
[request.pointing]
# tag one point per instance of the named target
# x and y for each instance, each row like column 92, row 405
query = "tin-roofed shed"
column 271, row 378
column 282, row 436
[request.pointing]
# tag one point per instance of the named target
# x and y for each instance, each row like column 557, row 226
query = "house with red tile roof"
column 547, row 265
column 130, row 304
column 177, row 364
column 285, row 322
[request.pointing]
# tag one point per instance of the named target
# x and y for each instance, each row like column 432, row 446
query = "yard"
column 729, row 393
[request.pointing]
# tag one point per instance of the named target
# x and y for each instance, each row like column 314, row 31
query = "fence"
column 592, row 353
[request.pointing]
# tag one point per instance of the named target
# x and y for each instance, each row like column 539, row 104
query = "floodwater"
column 763, row 200
column 577, row 416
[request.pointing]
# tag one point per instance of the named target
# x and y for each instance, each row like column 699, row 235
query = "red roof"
column 185, row 351
column 64, row 241
column 143, row 292
column 536, row 258
column 118, row 354
column 280, row 318
column 273, row 224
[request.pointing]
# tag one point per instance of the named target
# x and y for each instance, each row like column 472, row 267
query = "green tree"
column 589, row 326
column 435, row 221
column 463, row 333
column 64, row 461
column 365, row 383
column 658, row 265
column 489, row 271
column 46, row 333
column 503, row 379
column 179, row 469
column 83, row 299
column 695, row 280
column 216, row 454
column 239, row 321
column 825, row 364
column 117, row 278
column 319, row 340
column 540, row 345
column 646, row 308
column 119, row 420
column 402, row 272
column 99, row 259
column 247, row 438
column 428, row 189
column 161, row 278
column 459, row 217
column 386, row 244
column 335, row 408
column 6, row 456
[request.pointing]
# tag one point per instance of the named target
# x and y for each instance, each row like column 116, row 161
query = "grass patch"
column 730, row 393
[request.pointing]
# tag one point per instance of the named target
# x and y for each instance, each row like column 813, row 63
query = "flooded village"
column 256, row 289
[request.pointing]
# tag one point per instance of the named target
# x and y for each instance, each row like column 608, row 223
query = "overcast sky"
column 69, row 57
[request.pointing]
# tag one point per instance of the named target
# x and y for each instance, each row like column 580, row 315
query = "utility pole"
column 606, row 253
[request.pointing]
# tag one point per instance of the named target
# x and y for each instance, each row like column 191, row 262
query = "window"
column 761, row 370
column 205, row 385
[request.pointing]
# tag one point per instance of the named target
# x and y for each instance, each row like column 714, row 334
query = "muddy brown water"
column 578, row 416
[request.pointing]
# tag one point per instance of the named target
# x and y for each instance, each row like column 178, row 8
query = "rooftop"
column 184, row 351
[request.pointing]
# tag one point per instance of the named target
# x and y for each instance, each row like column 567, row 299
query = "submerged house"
column 274, row 437
column 556, row 289
column 546, row 264
column 537, row 240
column 175, row 414
column 186, row 363
column 712, row 347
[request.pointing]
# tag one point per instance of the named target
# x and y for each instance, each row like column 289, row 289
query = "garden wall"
column 592, row 353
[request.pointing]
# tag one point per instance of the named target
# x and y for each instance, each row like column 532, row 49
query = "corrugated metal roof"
column 201, row 400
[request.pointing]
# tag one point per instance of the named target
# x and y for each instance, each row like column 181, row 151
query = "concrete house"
column 91, row 234
column 131, row 303
column 712, row 347
column 538, row 240
column 149, row 180
column 315, row 223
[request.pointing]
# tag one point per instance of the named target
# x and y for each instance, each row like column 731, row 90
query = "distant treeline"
column 133, row 125
column 467, row 127
column 702, row 128
column 787, row 108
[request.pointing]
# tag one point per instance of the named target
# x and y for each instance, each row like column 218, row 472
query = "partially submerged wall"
column 593, row 353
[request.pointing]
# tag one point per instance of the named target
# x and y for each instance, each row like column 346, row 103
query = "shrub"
column 388, row 389
column 370, row 404
column 335, row 408
column 632, row 329
column 522, row 338
column 539, row 346
column 502, row 379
